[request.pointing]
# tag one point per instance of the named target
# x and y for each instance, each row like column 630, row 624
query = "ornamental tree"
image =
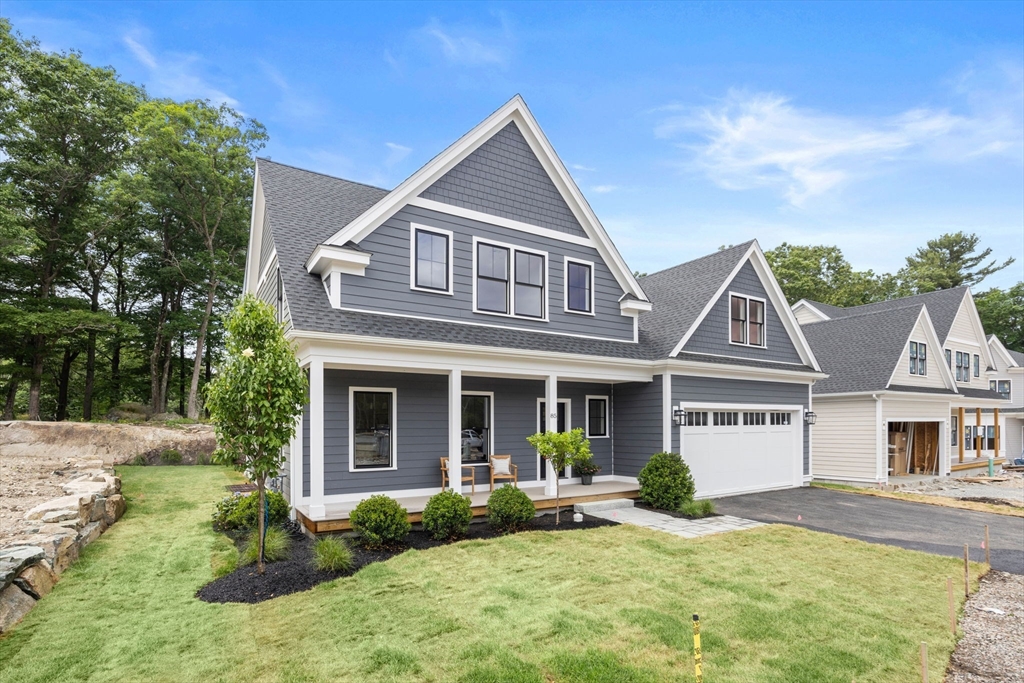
column 561, row 449
column 256, row 397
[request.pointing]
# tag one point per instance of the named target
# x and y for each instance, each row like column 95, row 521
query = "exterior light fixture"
column 809, row 417
column 677, row 417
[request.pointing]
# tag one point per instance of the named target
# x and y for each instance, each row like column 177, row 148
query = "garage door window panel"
column 726, row 419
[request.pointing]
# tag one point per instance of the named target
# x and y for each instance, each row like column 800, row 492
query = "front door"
column 563, row 426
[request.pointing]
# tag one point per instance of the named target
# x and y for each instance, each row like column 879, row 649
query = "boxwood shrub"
column 665, row 481
column 509, row 509
column 447, row 515
column 381, row 521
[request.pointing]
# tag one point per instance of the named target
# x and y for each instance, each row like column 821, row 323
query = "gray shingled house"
column 908, row 390
column 481, row 301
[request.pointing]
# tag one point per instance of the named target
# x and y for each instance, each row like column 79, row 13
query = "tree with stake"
column 255, row 397
column 561, row 449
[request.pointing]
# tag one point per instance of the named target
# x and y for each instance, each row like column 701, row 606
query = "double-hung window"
column 949, row 359
column 597, row 416
column 977, row 365
column 963, row 367
column 372, row 428
column 1000, row 386
column 579, row 286
column 746, row 321
column 511, row 281
column 918, row 358
column 431, row 259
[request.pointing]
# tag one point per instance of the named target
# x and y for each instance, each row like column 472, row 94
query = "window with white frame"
column 726, row 419
column 955, row 431
column 597, row 416
column 781, row 419
column 918, row 358
column 753, row 419
column 986, row 434
column 510, row 281
column 746, row 320
column 949, row 359
column 431, row 259
column 1001, row 387
column 977, row 365
column 696, row 418
column 579, row 286
column 476, row 427
column 963, row 366
column 372, row 428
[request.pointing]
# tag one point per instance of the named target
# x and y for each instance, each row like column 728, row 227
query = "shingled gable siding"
column 637, row 416
column 687, row 389
column 504, row 178
column 385, row 286
column 712, row 336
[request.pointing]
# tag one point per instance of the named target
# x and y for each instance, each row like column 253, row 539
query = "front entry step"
column 602, row 505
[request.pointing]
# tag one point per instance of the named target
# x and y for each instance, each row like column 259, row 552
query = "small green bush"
column 275, row 546
column 140, row 460
column 380, row 521
column 665, row 481
column 509, row 509
column 171, row 456
column 239, row 511
column 447, row 515
column 330, row 554
column 698, row 508
column 203, row 459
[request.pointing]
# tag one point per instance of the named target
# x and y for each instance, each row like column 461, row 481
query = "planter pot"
column 588, row 479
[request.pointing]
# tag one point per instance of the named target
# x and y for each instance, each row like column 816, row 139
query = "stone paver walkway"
column 687, row 528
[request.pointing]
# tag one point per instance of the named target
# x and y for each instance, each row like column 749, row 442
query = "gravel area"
column 1010, row 491
column 297, row 573
column 992, row 647
column 27, row 481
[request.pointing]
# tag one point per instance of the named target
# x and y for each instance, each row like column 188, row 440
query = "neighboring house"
column 907, row 388
column 1008, row 382
column 481, row 301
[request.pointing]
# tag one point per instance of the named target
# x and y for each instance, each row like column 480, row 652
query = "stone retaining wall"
column 53, row 534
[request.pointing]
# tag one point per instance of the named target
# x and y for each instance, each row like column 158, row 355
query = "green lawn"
column 612, row 604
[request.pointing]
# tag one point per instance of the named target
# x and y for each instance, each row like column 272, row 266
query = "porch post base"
column 317, row 512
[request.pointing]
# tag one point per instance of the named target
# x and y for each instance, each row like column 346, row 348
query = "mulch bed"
column 298, row 574
column 670, row 513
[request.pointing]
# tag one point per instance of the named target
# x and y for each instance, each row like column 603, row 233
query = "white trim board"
column 481, row 217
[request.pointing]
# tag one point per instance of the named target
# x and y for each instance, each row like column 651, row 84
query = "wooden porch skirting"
column 975, row 463
column 338, row 513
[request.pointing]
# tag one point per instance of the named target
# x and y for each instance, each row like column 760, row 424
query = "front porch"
column 337, row 514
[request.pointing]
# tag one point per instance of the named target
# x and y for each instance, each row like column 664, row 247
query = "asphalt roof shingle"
column 942, row 305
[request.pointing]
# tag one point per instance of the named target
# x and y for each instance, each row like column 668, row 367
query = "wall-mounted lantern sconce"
column 809, row 417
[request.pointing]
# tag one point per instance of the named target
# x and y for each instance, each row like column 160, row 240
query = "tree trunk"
column 115, row 372
column 36, row 382
column 62, row 383
column 165, row 375
column 90, row 376
column 12, row 394
column 193, row 402
column 155, row 397
column 209, row 376
column 261, row 482
column 181, row 374
column 558, row 498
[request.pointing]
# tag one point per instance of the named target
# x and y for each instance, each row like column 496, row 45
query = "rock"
column 8, row 570
column 90, row 488
column 15, row 558
column 113, row 508
column 75, row 502
column 98, row 507
column 59, row 548
column 67, row 555
column 14, row 605
column 164, row 417
column 90, row 533
column 59, row 516
column 39, row 578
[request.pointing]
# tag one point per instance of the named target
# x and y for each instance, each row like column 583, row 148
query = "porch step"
column 602, row 505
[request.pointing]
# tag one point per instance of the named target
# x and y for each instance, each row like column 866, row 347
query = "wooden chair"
column 445, row 479
column 510, row 471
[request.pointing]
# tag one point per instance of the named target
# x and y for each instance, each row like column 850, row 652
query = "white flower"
column 248, row 353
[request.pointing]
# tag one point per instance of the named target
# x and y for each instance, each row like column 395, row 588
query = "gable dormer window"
column 918, row 358
column 1002, row 387
column 977, row 365
column 963, row 366
column 510, row 280
column 579, row 286
column 949, row 361
column 746, row 320
column 431, row 259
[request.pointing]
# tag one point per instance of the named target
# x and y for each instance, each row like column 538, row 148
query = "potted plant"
column 586, row 468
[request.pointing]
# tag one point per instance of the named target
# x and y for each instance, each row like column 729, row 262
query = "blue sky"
column 871, row 126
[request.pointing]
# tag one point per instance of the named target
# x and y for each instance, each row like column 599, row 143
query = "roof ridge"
column 887, row 301
column 867, row 313
column 320, row 173
column 699, row 258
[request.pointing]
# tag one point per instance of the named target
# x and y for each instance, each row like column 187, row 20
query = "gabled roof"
column 1013, row 359
column 860, row 352
column 943, row 306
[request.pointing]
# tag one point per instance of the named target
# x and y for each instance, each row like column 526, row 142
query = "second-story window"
column 1001, row 386
column 529, row 292
column 432, row 260
column 918, row 358
column 492, row 278
column 963, row 366
column 977, row 365
column 949, row 359
column 578, row 286
column 746, row 321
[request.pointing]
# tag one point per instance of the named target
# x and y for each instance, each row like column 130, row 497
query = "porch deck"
column 974, row 463
column 337, row 518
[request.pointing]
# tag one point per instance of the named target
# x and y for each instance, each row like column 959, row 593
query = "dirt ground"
column 992, row 647
column 27, row 481
column 1011, row 491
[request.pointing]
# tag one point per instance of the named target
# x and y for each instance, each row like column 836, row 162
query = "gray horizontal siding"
column 385, row 286
column 515, row 418
column 712, row 336
column 267, row 291
column 637, row 417
column 687, row 389
column 267, row 243
column 503, row 177
column 577, row 392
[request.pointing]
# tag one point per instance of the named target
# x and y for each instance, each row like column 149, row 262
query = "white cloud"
column 604, row 189
column 751, row 140
column 175, row 75
column 581, row 167
column 293, row 104
column 397, row 153
column 470, row 46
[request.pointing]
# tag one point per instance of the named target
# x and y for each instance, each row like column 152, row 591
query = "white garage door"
column 742, row 450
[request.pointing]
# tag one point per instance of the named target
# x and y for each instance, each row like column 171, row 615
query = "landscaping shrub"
column 240, row 511
column 380, row 521
column 275, row 546
column 447, row 515
column 330, row 554
column 509, row 509
column 665, row 481
column 698, row 508
column 171, row 456
column 140, row 460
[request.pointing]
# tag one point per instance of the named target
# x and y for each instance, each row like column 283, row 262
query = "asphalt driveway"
column 916, row 526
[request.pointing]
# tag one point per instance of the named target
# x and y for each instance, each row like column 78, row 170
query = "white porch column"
column 316, row 439
column 455, row 429
column 551, row 404
column 295, row 465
